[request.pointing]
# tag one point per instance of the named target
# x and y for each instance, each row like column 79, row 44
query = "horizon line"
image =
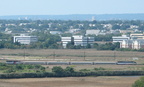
column 69, row 14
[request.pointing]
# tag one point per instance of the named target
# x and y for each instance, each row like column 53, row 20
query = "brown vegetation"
column 112, row 81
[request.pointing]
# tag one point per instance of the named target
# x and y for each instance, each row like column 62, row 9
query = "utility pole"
column 114, row 56
column 24, row 53
column 84, row 55
column 54, row 55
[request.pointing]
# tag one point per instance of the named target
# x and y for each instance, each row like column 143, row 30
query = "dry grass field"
column 71, row 55
column 112, row 81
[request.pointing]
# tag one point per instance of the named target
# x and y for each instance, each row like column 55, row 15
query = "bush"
column 58, row 70
column 99, row 68
column 139, row 83
column 84, row 70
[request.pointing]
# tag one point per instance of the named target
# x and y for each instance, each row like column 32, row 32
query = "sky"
column 67, row 7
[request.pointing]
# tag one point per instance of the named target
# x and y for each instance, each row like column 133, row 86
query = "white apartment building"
column 135, row 41
column 120, row 38
column 78, row 40
column 25, row 39
column 132, row 44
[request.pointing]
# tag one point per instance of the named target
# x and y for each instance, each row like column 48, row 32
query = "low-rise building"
column 55, row 32
column 77, row 40
column 22, row 39
column 135, row 41
column 83, row 41
column 132, row 44
column 65, row 41
column 74, row 30
column 137, row 36
column 127, row 31
column 92, row 32
column 120, row 38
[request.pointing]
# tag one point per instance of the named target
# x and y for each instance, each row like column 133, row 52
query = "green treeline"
column 25, row 71
column 74, row 74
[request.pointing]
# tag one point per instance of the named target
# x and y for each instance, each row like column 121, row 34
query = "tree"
column 139, row 83
column 141, row 28
column 70, row 45
column 116, row 27
column 88, row 46
column 69, row 69
column 124, row 27
column 58, row 70
column 107, row 46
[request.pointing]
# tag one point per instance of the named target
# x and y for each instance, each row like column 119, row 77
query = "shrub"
column 139, row 83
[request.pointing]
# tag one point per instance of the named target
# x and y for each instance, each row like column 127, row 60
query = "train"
column 71, row 63
column 126, row 63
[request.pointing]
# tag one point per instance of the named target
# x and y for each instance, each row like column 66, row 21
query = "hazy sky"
column 60, row 7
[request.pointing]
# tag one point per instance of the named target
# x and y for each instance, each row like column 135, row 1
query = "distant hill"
column 77, row 17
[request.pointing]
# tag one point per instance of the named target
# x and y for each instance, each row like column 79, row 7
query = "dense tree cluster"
column 23, row 26
column 20, row 68
column 107, row 46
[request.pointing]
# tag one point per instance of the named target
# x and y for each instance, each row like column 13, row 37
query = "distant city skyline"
column 67, row 7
